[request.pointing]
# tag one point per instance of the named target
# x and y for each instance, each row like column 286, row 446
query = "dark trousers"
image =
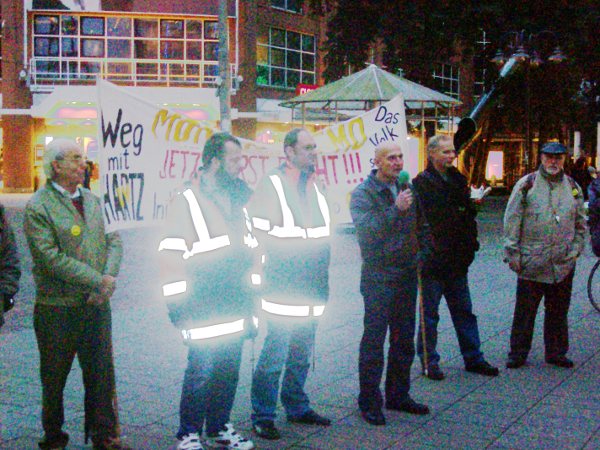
column 458, row 298
column 209, row 387
column 85, row 331
column 390, row 303
column 557, row 298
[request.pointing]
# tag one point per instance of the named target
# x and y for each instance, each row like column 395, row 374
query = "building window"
column 447, row 78
column 137, row 48
column 288, row 5
column 285, row 58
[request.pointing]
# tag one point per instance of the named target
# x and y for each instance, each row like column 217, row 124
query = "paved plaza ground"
column 535, row 407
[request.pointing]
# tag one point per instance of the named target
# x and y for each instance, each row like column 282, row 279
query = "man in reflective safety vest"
column 292, row 223
column 206, row 259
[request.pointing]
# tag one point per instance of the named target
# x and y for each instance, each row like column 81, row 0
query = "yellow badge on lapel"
column 75, row 230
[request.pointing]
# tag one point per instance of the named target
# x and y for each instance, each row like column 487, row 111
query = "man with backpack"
column 544, row 233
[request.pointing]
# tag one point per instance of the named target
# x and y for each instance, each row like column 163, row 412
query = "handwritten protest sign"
column 148, row 152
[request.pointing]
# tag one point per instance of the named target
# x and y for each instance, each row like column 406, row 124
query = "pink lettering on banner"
column 254, row 168
column 179, row 164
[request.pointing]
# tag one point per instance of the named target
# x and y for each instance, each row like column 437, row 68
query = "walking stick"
column 422, row 323
column 114, row 394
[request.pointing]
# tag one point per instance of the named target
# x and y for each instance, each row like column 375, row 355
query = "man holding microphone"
column 390, row 229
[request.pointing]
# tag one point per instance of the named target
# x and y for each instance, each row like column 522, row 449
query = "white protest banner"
column 347, row 149
column 147, row 152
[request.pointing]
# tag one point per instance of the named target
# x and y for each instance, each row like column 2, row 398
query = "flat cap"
column 555, row 148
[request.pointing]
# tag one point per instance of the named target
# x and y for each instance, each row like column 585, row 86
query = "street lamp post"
column 224, row 78
column 523, row 49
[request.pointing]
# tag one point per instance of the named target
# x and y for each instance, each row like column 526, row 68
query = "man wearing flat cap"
column 544, row 234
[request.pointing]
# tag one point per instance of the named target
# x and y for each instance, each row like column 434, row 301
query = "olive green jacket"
column 70, row 255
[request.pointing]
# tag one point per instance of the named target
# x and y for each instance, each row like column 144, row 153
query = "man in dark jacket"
column 594, row 214
column 390, row 230
column 206, row 262
column 444, row 193
column 9, row 265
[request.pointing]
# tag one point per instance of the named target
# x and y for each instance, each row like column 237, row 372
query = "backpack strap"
column 531, row 179
column 527, row 185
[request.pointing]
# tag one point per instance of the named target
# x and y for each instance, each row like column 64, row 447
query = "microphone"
column 403, row 177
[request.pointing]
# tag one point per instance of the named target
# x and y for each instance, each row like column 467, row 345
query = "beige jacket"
column 544, row 233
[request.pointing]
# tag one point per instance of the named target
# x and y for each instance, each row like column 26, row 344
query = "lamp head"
column 557, row 56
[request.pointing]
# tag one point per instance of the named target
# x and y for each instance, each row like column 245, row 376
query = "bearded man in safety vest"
column 292, row 224
column 206, row 260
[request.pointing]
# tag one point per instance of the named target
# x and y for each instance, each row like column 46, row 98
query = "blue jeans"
column 290, row 345
column 209, row 387
column 458, row 299
column 390, row 302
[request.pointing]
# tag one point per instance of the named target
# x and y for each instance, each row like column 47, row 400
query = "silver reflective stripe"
column 212, row 331
column 261, row 224
column 292, row 310
column 250, row 241
column 249, row 238
column 205, row 243
column 171, row 243
column 177, row 287
column 289, row 228
column 323, row 231
column 318, row 310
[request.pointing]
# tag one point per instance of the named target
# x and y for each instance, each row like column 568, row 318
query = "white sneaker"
column 229, row 438
column 190, row 442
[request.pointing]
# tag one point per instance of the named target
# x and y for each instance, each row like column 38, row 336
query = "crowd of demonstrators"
column 544, row 228
column 390, row 229
column 75, row 265
column 292, row 223
column 206, row 276
column 445, row 197
column 228, row 254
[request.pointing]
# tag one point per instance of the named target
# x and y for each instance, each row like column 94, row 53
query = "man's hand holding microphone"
column 404, row 198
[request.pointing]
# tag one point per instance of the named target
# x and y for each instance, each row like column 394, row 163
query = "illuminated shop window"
column 285, row 58
column 73, row 46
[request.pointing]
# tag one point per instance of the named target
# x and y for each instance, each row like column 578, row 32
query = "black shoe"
column 408, row 406
column 373, row 417
column 266, row 430
column 482, row 368
column 109, row 443
column 59, row 441
column 310, row 418
column 434, row 372
column 561, row 361
column 514, row 362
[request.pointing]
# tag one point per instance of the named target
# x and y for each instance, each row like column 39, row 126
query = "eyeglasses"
column 74, row 158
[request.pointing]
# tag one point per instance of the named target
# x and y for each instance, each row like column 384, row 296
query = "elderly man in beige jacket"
column 75, row 265
column 544, row 234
